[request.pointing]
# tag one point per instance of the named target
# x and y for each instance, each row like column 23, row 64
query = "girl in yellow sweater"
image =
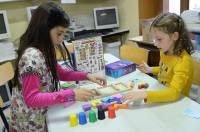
column 175, row 69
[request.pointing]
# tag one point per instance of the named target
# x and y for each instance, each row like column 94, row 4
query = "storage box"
column 112, row 48
column 120, row 68
column 145, row 24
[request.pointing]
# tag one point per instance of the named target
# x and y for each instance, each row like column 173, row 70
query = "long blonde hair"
column 170, row 23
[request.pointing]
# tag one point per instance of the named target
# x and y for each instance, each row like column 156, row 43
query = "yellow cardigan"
column 175, row 72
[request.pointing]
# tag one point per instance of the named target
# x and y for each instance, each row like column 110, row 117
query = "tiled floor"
column 7, row 114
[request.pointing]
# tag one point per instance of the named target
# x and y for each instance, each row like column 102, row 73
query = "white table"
column 165, row 117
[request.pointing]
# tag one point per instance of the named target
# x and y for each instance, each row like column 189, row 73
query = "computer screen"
column 106, row 17
column 30, row 11
column 5, row 94
column 4, row 27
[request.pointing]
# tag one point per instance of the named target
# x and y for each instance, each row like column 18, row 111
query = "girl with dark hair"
column 175, row 69
column 37, row 72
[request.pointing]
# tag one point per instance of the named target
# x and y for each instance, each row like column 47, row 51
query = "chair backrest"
column 6, row 72
column 133, row 53
column 196, row 78
column 70, row 47
column 1, row 102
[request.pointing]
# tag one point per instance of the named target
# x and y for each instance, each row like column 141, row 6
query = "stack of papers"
column 7, row 51
column 192, row 113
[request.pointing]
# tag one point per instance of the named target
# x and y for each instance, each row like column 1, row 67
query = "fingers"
column 87, row 98
column 143, row 67
column 96, row 92
column 127, row 97
column 145, row 64
column 101, row 81
column 140, row 67
column 105, row 82
column 89, row 93
column 84, row 94
column 143, row 70
column 127, row 101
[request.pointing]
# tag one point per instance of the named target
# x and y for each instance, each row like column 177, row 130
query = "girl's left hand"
column 97, row 79
column 134, row 96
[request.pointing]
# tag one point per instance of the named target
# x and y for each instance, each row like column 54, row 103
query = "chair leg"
column 4, row 119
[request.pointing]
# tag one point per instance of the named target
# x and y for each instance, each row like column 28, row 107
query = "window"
column 194, row 4
column 174, row 6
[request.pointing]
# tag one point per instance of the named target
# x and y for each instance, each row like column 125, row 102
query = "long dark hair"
column 170, row 23
column 45, row 17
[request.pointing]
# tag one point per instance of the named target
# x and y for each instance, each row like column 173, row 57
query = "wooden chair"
column 196, row 78
column 6, row 74
column 59, row 54
column 133, row 53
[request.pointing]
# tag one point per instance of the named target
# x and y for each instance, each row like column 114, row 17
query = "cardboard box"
column 145, row 24
column 120, row 68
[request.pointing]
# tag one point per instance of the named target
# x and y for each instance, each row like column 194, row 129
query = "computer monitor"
column 106, row 17
column 30, row 11
column 4, row 27
column 5, row 94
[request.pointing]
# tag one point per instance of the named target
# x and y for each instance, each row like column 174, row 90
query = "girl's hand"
column 97, row 79
column 143, row 67
column 134, row 96
column 84, row 94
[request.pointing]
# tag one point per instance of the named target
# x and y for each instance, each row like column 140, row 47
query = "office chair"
column 6, row 74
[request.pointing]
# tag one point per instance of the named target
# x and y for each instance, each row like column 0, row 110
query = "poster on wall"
column 89, row 54
column 68, row 1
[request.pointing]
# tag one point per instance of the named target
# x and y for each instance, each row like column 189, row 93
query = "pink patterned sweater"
column 35, row 98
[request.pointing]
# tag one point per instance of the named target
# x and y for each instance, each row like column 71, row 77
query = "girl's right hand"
column 84, row 94
column 143, row 67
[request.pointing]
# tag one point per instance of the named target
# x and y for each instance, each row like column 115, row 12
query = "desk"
column 165, row 117
column 116, row 32
column 154, row 53
column 120, row 32
column 139, row 39
column 91, row 33
column 153, row 118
